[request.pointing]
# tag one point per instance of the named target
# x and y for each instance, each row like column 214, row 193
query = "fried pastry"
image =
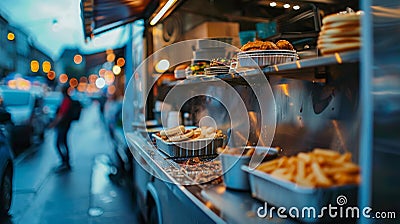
column 284, row 45
column 259, row 45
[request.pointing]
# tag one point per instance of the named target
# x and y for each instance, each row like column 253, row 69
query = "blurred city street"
column 83, row 195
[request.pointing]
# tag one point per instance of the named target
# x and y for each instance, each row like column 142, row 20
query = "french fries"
column 319, row 168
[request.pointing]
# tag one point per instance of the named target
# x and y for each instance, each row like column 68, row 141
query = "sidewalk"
column 84, row 195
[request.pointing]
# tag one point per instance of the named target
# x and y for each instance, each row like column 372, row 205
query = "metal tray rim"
column 270, row 151
column 179, row 142
column 292, row 186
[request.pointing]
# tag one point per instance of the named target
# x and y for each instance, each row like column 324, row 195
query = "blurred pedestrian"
column 111, row 109
column 102, row 101
column 62, row 123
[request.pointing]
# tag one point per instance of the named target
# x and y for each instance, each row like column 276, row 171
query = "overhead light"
column 161, row 13
column 286, row 6
column 10, row 36
column 296, row 7
column 272, row 4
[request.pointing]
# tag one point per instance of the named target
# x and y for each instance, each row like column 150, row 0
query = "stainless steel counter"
column 222, row 205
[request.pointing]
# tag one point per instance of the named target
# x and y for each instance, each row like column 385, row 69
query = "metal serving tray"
column 190, row 148
column 281, row 193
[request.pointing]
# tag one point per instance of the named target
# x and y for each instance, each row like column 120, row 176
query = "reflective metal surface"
column 386, row 105
column 309, row 114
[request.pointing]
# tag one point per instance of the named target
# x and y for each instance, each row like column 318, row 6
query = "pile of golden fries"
column 319, row 168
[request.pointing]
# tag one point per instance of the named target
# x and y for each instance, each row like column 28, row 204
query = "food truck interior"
column 320, row 101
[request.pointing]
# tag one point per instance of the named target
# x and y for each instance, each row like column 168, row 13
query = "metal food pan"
column 234, row 176
column 281, row 193
column 190, row 148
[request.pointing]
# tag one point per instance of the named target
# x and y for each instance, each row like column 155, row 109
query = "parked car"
column 27, row 116
column 6, row 166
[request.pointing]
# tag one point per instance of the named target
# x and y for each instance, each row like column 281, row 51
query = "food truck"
column 264, row 111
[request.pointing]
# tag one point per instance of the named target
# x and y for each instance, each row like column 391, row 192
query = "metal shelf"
column 312, row 69
column 335, row 59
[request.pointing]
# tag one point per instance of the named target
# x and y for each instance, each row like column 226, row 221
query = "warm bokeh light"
column 70, row 90
column 34, row 66
column 83, row 79
column 51, row 75
column 46, row 66
column 78, row 59
column 92, row 78
column 109, row 51
column 120, row 62
column 19, row 83
column 116, row 69
column 91, row 88
column 285, row 89
column 73, row 82
column 63, row 78
column 102, row 72
column 111, row 90
column 10, row 36
column 110, row 57
column 82, row 87
column 100, row 83
column 162, row 66
column 109, row 77
column 12, row 84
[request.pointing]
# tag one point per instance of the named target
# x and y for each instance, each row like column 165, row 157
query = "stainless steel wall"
column 386, row 105
column 309, row 114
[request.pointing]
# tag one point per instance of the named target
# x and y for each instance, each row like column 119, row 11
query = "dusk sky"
column 55, row 24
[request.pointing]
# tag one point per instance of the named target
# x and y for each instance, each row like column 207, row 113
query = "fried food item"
column 259, row 45
column 319, row 168
column 252, row 45
column 268, row 45
column 284, row 45
column 178, row 134
column 173, row 131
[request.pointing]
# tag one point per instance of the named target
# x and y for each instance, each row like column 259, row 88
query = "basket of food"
column 307, row 183
column 264, row 53
column 182, row 142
